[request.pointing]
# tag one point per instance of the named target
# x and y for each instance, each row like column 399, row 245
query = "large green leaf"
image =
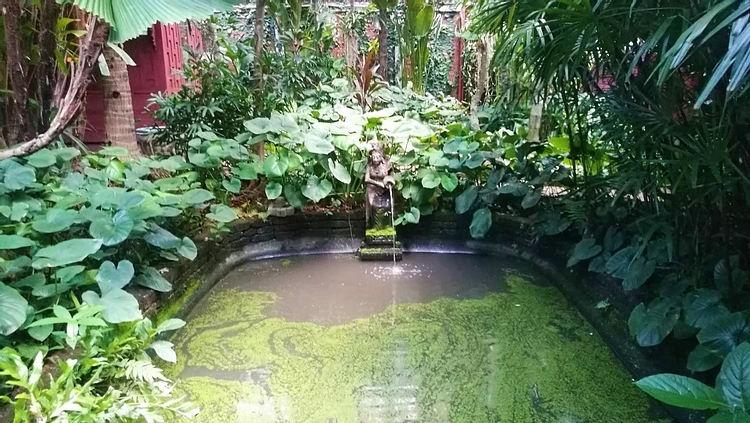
column 294, row 196
column 584, row 250
column 431, row 179
column 702, row 359
column 318, row 145
column 160, row 237
column 197, row 196
column 275, row 166
column 187, row 249
column 66, row 252
column 119, row 306
column 151, row 278
column 55, row 220
column 222, row 213
column 112, row 231
column 466, row 199
column 619, row 263
column 18, row 177
column 233, row 185
column 246, row 171
column 273, row 190
column 42, row 158
column 531, row 199
column 12, row 310
column 703, row 307
column 734, row 378
column 259, row 126
column 449, row 181
column 681, row 391
column 317, row 189
column 131, row 18
column 12, row 242
column 638, row 273
column 725, row 333
column 650, row 325
column 117, row 277
column 339, row 171
column 480, row 223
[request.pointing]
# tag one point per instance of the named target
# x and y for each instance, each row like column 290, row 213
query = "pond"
column 440, row 338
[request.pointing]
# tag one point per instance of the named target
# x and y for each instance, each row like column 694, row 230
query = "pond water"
column 442, row 338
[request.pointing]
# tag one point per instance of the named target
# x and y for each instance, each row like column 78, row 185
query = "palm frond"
column 131, row 18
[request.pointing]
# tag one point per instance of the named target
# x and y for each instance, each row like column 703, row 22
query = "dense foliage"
column 651, row 97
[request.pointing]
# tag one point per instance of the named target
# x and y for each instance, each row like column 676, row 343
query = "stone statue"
column 378, row 180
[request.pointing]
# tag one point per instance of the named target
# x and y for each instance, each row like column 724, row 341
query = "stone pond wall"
column 341, row 232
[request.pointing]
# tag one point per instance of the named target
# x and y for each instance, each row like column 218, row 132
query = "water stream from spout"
column 394, row 269
column 393, row 226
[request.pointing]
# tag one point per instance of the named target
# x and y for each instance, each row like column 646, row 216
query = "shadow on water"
column 444, row 338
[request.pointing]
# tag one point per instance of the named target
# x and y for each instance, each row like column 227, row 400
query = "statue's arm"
column 369, row 180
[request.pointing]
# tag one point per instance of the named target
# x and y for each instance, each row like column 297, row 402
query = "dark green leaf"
column 151, row 278
column 734, row 378
column 651, row 325
column 681, row 391
column 702, row 359
column 725, row 333
column 584, row 250
column 481, row 223
column 466, row 200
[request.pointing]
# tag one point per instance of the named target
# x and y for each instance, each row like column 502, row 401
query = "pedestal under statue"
column 380, row 236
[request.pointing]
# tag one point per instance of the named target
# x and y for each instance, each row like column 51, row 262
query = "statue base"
column 380, row 245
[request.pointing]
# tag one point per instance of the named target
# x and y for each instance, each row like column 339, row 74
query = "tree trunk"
column 68, row 91
column 49, row 15
column 118, row 105
column 535, row 119
column 483, row 70
column 259, row 29
column 383, row 44
column 350, row 40
column 18, row 66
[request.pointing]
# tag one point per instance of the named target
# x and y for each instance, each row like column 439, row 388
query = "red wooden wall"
column 158, row 58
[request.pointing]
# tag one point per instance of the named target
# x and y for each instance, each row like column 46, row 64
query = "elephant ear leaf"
column 13, row 307
column 66, row 252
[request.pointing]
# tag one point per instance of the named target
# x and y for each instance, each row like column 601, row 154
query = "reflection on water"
column 444, row 338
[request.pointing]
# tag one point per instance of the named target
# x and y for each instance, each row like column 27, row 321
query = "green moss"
column 522, row 355
column 386, row 231
column 174, row 305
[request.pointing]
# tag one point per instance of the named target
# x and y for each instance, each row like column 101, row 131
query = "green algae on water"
column 518, row 356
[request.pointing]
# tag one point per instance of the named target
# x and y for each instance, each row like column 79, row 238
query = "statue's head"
column 376, row 155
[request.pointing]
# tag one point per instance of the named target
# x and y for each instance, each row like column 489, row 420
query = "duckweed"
column 518, row 356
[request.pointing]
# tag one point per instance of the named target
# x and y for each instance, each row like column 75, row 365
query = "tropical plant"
column 655, row 122
column 108, row 377
column 729, row 397
column 414, row 31
column 116, row 21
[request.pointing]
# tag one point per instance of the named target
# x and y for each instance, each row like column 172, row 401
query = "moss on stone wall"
column 170, row 308
column 522, row 355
